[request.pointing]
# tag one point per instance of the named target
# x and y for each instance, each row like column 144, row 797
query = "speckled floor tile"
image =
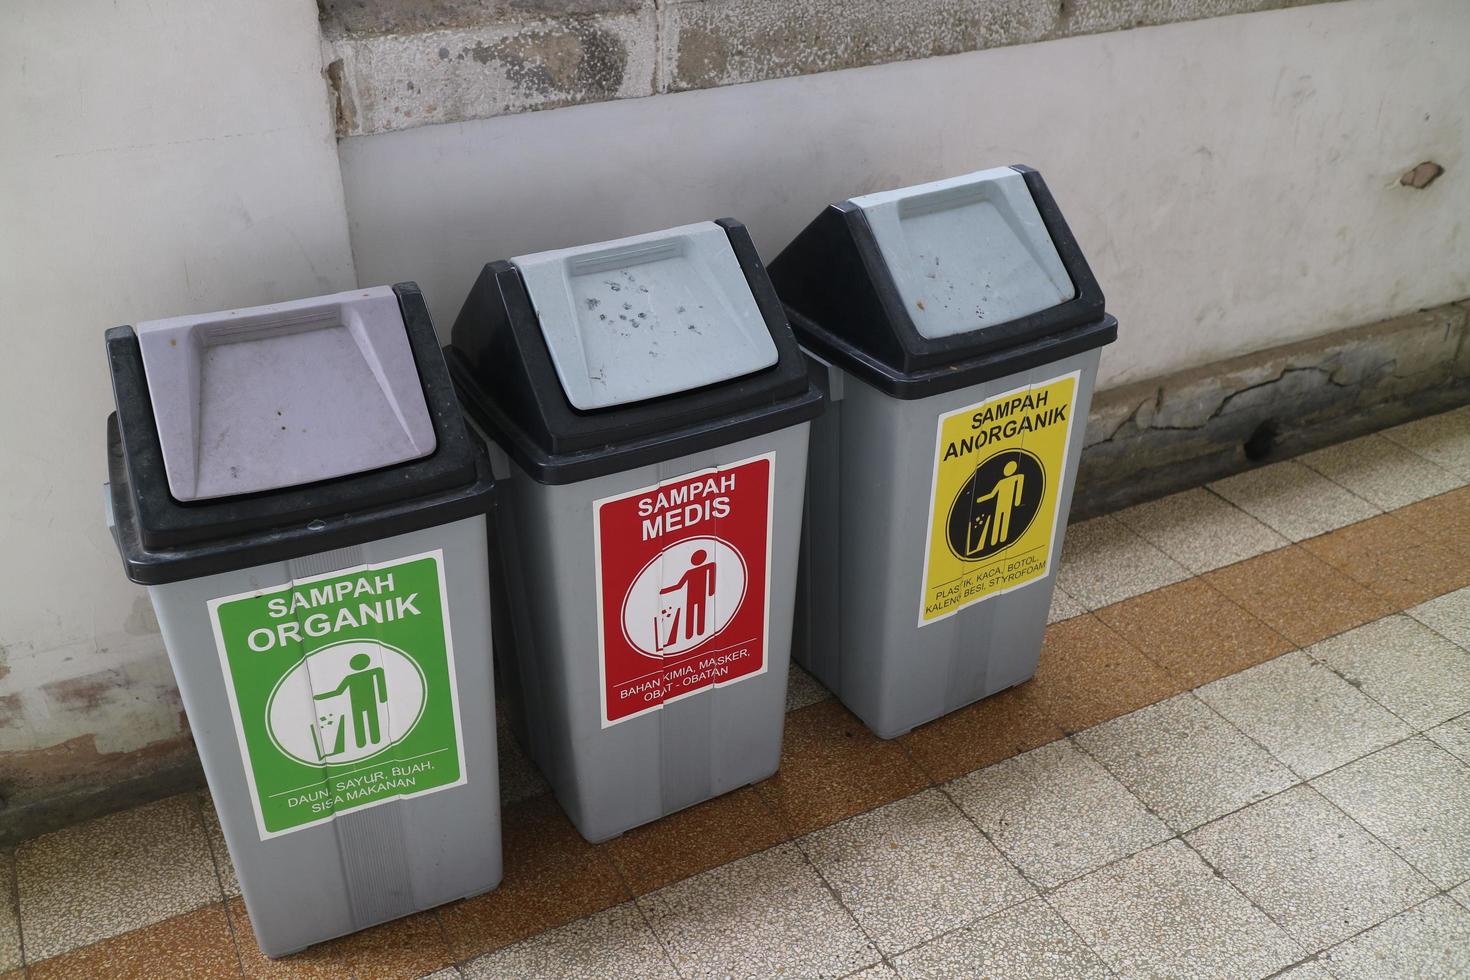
column 1164, row 913
column 552, row 876
column 1104, row 562
column 1089, row 674
column 1319, row 875
column 1442, row 439
column 218, row 849
column 1453, row 737
column 195, row 946
column 914, row 869
column 1415, row 797
column 1028, row 940
column 1056, row 813
column 1184, row 761
column 113, row 874
column 1429, row 941
column 448, row 973
column 1461, row 894
column 832, row 767
column 614, row 943
column 1382, row 472
column 1298, row 595
column 1393, row 559
column 1303, row 713
column 878, row 971
column 1449, row 616
column 1194, row 632
column 1404, row 666
column 10, row 958
column 1062, row 607
column 697, row 839
column 403, row 949
column 321, row 962
column 1445, row 518
column 980, row 734
column 1201, row 530
column 803, row 689
column 1293, row 500
column 767, row 913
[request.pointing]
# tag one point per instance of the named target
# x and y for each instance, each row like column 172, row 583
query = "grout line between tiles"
column 1248, row 900
column 234, row 935
column 1347, row 939
column 648, row 923
column 1386, row 510
column 1039, row 893
column 837, row 897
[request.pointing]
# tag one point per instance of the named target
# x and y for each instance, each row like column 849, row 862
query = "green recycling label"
column 342, row 689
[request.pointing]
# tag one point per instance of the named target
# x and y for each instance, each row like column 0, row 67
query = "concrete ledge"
column 395, row 64
column 95, row 783
column 1156, row 437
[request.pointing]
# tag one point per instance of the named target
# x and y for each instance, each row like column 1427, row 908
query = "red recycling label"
column 683, row 585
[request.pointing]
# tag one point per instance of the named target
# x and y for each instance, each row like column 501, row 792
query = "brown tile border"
column 552, row 876
column 1194, row 632
column 1298, row 595
column 981, row 734
column 1094, row 668
column 1394, row 559
column 1089, row 674
column 314, row 963
column 194, row 946
column 704, row 836
column 832, row 768
column 1445, row 518
column 399, row 950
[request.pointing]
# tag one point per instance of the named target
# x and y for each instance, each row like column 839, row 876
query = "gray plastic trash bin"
column 961, row 330
column 654, row 407
column 295, row 486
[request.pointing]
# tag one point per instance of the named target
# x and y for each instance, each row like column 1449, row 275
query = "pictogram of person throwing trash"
column 366, row 687
column 1005, row 496
column 698, row 584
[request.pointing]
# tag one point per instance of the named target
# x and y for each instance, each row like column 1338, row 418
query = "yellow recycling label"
column 998, row 469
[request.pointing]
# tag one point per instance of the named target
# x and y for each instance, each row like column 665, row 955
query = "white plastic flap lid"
column 281, row 395
column 967, row 252
column 650, row 315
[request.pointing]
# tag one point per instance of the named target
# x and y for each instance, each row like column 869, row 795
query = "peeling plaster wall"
column 1235, row 182
column 143, row 173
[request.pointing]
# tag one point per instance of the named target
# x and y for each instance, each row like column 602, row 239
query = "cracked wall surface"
column 403, row 63
column 1154, row 437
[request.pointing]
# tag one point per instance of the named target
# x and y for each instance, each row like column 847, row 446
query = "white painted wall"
column 155, row 158
column 1233, row 181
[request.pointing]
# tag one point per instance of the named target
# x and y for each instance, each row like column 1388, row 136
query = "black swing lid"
column 926, row 289
column 600, row 358
column 295, row 497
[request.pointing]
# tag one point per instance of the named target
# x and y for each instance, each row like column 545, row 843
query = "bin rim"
column 147, row 565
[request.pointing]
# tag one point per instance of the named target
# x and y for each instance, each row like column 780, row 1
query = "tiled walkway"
column 1246, row 753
